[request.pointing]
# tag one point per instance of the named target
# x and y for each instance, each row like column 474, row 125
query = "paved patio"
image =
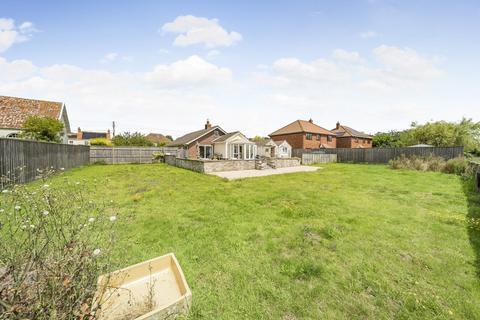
column 233, row 175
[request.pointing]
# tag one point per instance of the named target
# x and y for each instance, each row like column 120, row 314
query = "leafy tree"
column 258, row 138
column 131, row 139
column 169, row 137
column 390, row 139
column 100, row 142
column 42, row 129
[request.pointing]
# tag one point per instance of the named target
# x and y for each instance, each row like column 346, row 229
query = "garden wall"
column 383, row 155
column 20, row 159
column 285, row 162
column 207, row 166
column 114, row 155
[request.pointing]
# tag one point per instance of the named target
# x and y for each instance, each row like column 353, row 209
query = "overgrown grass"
column 345, row 242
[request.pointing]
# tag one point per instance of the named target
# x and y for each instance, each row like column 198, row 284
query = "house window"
column 318, row 137
column 368, row 141
column 215, row 133
column 12, row 135
column 309, row 136
column 205, row 152
column 237, row 151
column 356, row 140
column 329, row 138
column 249, row 151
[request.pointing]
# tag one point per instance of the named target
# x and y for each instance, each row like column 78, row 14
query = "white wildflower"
column 62, row 168
column 46, row 186
column 113, row 218
column 18, row 207
column 32, row 226
column 96, row 252
column 5, row 191
column 45, row 212
column 23, row 226
column 91, row 220
column 2, row 210
column 77, row 182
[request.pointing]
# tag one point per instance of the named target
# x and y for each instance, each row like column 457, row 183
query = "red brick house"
column 303, row 134
column 351, row 138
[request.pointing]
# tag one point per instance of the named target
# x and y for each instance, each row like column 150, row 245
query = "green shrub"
column 458, row 166
column 54, row 243
column 101, row 142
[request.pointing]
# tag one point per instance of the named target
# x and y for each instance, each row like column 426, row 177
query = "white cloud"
column 199, row 30
column 146, row 101
column 368, row 34
column 191, row 71
column 319, row 70
column 347, row 56
column 10, row 33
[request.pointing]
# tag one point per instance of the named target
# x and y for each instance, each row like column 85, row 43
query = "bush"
column 158, row 157
column 100, row 142
column 42, row 129
column 132, row 139
column 458, row 166
column 54, row 243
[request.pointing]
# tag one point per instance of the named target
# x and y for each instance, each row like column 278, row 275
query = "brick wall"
column 300, row 141
column 352, row 142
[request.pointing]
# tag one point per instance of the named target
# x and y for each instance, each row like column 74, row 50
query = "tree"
column 390, row 139
column 258, row 138
column 131, row 139
column 169, row 137
column 42, row 129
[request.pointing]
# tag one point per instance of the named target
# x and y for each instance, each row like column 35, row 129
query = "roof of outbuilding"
column 264, row 142
column 192, row 136
column 14, row 111
column 299, row 126
column 225, row 136
column 157, row 138
column 344, row 131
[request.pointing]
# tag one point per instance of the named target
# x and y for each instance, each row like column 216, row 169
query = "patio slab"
column 233, row 175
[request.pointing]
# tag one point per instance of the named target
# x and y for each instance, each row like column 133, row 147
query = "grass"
column 346, row 242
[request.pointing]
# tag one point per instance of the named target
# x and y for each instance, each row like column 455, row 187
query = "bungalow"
column 274, row 149
column 213, row 141
column 15, row 111
column 158, row 139
column 351, row 138
column 303, row 134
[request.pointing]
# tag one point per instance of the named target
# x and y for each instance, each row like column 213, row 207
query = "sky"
column 253, row 66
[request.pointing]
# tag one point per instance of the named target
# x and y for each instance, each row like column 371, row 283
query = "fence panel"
column 312, row 158
column 20, row 159
column 115, row 155
column 383, row 155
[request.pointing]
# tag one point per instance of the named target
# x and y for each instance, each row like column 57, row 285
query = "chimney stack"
column 338, row 125
column 79, row 134
column 208, row 125
column 311, row 120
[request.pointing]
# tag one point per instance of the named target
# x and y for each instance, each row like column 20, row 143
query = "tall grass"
column 457, row 166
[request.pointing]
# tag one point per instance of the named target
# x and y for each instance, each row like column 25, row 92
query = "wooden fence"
column 312, row 158
column 116, row 155
column 476, row 174
column 383, row 155
column 20, row 160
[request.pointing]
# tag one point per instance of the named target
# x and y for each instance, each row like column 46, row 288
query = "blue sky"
column 247, row 65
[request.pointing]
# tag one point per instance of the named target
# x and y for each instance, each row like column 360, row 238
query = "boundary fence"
column 20, row 160
column 383, row 155
column 116, row 155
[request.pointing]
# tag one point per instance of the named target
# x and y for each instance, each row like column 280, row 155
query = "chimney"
column 108, row 134
column 311, row 120
column 338, row 125
column 208, row 125
column 79, row 134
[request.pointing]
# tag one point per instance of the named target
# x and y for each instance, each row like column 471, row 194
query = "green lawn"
column 346, row 242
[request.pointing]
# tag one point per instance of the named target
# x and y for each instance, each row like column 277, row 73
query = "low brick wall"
column 286, row 162
column 207, row 166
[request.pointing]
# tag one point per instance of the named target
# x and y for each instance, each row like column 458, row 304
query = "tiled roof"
column 157, row 138
column 344, row 131
column 301, row 126
column 264, row 142
column 14, row 111
column 192, row 136
column 225, row 136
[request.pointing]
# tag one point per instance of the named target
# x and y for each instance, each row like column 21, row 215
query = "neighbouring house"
column 15, row 111
column 158, row 139
column 273, row 149
column 266, row 148
column 83, row 137
column 283, row 150
column 303, row 134
column 234, row 146
column 214, row 142
column 421, row 146
column 351, row 138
